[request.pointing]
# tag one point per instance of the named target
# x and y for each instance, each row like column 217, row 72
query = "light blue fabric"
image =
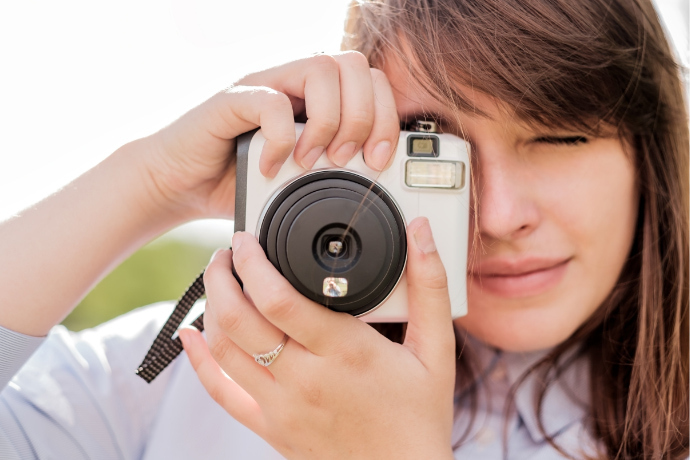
column 563, row 412
column 77, row 398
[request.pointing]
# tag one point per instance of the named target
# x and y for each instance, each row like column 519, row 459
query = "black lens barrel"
column 354, row 212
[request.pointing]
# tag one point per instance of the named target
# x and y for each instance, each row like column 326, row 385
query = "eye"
column 562, row 140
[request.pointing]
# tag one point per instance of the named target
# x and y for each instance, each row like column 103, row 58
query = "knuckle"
column 249, row 78
column 432, row 278
column 231, row 320
column 326, row 124
column 283, row 143
column 324, row 63
column 279, row 304
column 310, row 392
column 357, row 358
column 234, row 91
column 275, row 99
column 230, row 90
column 218, row 346
column 437, row 280
column 360, row 120
column 377, row 75
column 354, row 58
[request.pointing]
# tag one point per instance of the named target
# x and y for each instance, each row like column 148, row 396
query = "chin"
column 519, row 329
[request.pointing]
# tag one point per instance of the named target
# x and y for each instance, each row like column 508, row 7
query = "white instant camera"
column 339, row 234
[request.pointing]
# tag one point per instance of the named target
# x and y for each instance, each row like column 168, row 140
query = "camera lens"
column 336, row 246
column 338, row 238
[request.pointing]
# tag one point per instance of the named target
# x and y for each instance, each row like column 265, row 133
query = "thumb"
column 430, row 328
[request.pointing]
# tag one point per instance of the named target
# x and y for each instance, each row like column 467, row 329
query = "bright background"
column 80, row 78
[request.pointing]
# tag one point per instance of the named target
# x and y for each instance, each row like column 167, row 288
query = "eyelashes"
column 442, row 126
column 565, row 140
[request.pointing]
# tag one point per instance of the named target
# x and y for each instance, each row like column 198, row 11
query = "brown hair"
column 561, row 63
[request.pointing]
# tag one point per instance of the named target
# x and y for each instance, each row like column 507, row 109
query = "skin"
column 307, row 403
column 545, row 233
column 556, row 203
column 186, row 171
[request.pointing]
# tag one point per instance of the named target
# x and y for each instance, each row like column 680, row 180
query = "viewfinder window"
column 422, row 146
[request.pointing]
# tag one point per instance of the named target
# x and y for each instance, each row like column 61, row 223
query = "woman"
column 575, row 344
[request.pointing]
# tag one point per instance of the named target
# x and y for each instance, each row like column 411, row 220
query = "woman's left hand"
column 338, row 389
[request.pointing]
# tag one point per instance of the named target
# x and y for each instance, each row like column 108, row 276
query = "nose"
column 505, row 196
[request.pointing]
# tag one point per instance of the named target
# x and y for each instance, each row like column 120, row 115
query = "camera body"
column 339, row 234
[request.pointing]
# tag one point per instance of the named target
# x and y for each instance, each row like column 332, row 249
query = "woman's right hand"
column 346, row 104
column 187, row 171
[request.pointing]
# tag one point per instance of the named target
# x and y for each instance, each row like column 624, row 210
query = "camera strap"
column 165, row 349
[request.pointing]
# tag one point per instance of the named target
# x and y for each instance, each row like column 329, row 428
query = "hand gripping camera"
column 338, row 234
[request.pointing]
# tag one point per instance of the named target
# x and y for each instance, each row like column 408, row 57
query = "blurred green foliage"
column 161, row 270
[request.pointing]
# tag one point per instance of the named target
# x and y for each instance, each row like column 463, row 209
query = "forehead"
column 413, row 97
column 415, row 100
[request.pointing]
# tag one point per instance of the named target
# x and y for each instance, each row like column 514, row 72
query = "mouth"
column 516, row 279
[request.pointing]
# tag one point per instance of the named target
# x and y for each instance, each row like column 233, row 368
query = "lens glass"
column 338, row 238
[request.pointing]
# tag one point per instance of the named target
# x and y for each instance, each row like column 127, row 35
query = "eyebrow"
column 421, row 115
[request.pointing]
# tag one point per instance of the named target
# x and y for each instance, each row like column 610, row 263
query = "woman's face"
column 556, row 218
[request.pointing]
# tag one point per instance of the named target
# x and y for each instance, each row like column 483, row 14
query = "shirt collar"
column 565, row 402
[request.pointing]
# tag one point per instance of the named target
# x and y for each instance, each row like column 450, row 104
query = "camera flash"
column 434, row 174
column 334, row 287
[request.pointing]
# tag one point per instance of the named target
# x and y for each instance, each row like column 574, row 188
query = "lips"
column 524, row 277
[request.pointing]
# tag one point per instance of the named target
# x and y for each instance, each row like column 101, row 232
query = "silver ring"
column 265, row 359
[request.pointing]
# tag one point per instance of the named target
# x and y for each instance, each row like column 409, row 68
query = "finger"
column 323, row 108
column 226, row 392
column 234, row 361
column 382, row 142
column 312, row 325
column 356, row 107
column 237, row 318
column 430, row 327
column 240, row 109
column 316, row 80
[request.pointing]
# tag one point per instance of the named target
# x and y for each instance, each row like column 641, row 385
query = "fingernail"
column 213, row 256
column 274, row 170
column 237, row 241
column 311, row 157
column 424, row 239
column 380, row 155
column 344, row 154
column 185, row 334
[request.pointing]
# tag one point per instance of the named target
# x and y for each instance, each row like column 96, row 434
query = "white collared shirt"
column 563, row 413
column 77, row 397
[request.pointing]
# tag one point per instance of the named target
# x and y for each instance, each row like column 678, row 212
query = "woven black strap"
column 165, row 348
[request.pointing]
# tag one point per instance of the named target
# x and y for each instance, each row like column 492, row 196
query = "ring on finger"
column 265, row 359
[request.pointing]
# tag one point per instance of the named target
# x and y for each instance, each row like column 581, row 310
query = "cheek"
column 597, row 210
column 588, row 209
column 593, row 206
